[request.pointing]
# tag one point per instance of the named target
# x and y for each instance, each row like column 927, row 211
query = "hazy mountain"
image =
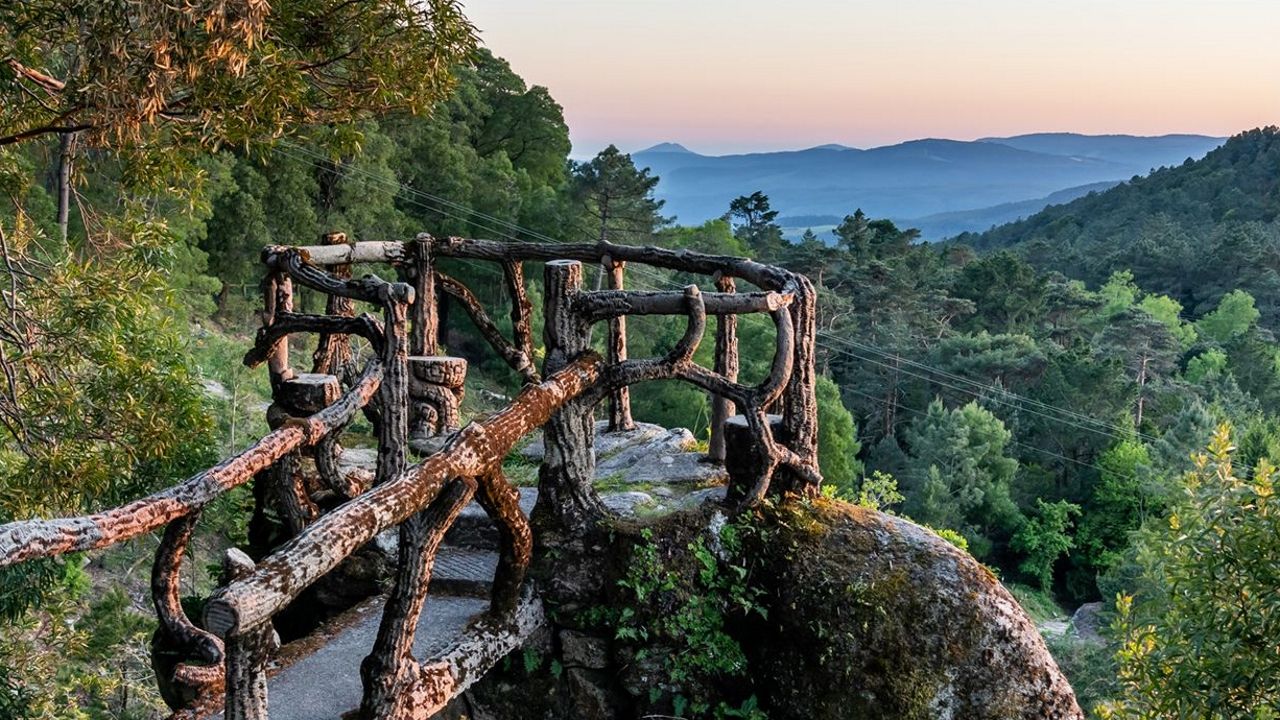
column 916, row 179
column 944, row 225
column 1145, row 153
column 667, row 147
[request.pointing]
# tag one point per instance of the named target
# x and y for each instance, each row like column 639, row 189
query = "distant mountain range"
column 943, row 187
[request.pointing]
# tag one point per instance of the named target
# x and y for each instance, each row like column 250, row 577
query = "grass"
column 1039, row 604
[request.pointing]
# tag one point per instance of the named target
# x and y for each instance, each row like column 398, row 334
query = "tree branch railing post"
column 620, row 401
column 247, row 654
column 333, row 354
column 726, row 364
column 567, row 501
column 799, row 401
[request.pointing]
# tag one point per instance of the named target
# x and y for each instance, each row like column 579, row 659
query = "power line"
column 499, row 227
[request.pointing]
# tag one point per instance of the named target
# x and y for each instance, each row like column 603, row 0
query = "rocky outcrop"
column 876, row 617
column 868, row 616
column 648, row 454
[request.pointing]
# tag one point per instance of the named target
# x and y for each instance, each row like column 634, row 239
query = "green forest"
column 1084, row 400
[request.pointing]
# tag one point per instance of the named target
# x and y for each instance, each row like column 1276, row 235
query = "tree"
column 1044, row 538
column 1198, row 639
column 755, row 224
column 1124, row 497
column 1146, row 347
column 838, row 444
column 853, row 234
column 960, row 477
column 213, row 72
column 616, row 198
column 1234, row 316
column 1008, row 294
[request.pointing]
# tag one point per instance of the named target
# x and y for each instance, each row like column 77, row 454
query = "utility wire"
column 508, row 230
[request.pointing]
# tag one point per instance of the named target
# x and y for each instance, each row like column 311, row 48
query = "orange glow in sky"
column 740, row 75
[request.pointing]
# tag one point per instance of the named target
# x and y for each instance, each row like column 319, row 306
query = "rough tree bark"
column 31, row 539
column 620, row 402
column 726, row 364
column 426, row 325
column 567, row 502
column 800, row 403
column 188, row 660
column 333, row 350
column 390, row 669
column 521, row 313
column 501, row 500
column 476, row 449
column 248, row 652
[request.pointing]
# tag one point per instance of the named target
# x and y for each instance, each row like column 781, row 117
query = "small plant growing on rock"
column 680, row 605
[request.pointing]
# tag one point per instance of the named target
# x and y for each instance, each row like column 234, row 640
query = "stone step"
column 318, row 677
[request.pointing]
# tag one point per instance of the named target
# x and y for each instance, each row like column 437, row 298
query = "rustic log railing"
column 411, row 394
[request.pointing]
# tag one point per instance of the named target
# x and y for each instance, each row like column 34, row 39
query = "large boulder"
column 875, row 617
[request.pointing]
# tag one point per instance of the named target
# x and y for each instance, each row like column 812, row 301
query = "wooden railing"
column 412, row 394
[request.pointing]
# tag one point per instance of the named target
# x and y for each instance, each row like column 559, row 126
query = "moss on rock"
column 872, row 616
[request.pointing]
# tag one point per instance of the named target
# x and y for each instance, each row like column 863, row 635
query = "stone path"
column 319, row 677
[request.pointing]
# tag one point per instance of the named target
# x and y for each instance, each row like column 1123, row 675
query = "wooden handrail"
column 32, row 539
column 476, row 449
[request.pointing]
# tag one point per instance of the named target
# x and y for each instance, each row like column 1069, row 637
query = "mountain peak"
column 668, row 147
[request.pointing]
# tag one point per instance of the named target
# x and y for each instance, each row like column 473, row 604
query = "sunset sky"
column 741, row 75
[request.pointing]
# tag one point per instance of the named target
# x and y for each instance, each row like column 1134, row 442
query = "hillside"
column 915, row 179
column 1194, row 232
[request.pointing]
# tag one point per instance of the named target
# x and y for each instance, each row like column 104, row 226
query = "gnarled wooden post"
column 277, row 298
column 189, row 688
column 333, row 350
column 424, row 328
column 726, row 364
column 567, row 502
column 620, row 400
column 390, row 671
column 799, row 402
column 425, row 325
column 247, row 653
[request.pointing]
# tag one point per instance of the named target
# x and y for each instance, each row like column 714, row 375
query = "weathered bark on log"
column 30, row 539
column 567, row 501
column 799, row 403
column 726, row 365
column 393, row 252
column 390, row 666
column 451, row 372
column 347, row 484
column 501, row 500
column 443, row 402
column 370, row 288
column 473, row 451
column 295, row 506
column 185, row 685
column 521, row 315
column 247, row 654
column 425, row 324
column 271, row 337
column 333, row 350
column 514, row 356
column 277, row 300
column 393, row 395
column 308, row 393
column 464, row 662
column 620, row 401
column 600, row 305
column 766, row 277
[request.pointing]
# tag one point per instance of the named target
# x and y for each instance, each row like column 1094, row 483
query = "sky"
column 724, row 76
